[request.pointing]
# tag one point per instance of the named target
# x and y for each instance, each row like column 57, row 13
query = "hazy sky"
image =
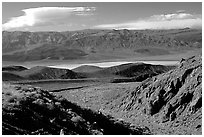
column 45, row 16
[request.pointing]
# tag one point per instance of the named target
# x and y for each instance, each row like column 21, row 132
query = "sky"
column 70, row 16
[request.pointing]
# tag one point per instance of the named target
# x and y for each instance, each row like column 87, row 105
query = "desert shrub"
column 12, row 99
column 39, row 102
column 50, row 106
column 8, row 93
column 77, row 119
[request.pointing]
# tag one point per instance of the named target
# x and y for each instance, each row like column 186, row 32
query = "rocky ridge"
column 173, row 99
column 91, row 41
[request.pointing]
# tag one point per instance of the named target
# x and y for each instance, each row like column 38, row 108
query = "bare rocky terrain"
column 170, row 103
column 37, row 112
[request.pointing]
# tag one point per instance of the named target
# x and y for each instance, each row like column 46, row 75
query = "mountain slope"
column 24, row 46
column 129, row 72
column 46, row 51
column 86, row 69
column 9, row 76
column 40, row 73
column 32, row 111
column 172, row 99
column 13, row 68
column 135, row 69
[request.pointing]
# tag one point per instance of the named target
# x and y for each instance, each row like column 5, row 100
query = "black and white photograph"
column 101, row 68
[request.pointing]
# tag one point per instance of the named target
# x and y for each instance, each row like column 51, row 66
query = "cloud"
column 46, row 16
column 163, row 21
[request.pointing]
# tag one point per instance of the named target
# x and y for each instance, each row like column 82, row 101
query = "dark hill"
column 125, row 72
column 13, row 68
column 135, row 69
column 40, row 72
column 86, row 69
column 9, row 76
column 130, row 72
column 172, row 100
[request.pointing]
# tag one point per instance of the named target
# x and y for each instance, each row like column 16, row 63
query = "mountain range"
column 31, row 46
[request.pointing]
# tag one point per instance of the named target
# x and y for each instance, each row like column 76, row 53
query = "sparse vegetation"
column 165, row 102
column 50, row 114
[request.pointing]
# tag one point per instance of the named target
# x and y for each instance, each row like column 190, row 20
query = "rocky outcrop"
column 174, row 97
column 176, row 91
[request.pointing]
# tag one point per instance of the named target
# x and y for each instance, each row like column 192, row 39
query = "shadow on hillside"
column 39, row 112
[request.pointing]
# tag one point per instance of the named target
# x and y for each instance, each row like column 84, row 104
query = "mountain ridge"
column 88, row 42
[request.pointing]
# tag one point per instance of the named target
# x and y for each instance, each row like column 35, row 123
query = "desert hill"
column 126, row 72
column 9, row 76
column 172, row 99
column 134, row 69
column 169, row 103
column 39, row 73
column 86, row 69
column 120, row 73
column 29, row 110
column 13, row 68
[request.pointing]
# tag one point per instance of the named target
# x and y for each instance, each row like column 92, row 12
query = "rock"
column 198, row 126
column 171, row 96
column 17, row 87
column 172, row 116
column 195, row 104
column 52, row 120
column 61, row 132
column 77, row 119
column 57, row 103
